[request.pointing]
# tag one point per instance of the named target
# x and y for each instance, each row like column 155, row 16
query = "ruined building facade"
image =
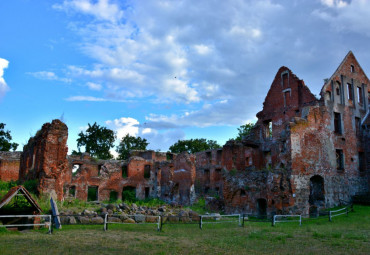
column 303, row 154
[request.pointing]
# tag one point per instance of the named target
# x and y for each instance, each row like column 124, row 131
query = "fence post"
column 105, row 222
column 200, row 222
column 243, row 220
column 240, row 220
column 273, row 220
column 300, row 220
column 50, row 222
column 159, row 224
column 330, row 216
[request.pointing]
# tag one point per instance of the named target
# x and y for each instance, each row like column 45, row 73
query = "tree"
column 97, row 141
column 129, row 143
column 5, row 138
column 194, row 145
column 244, row 130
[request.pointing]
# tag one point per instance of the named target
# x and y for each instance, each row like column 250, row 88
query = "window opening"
column 124, row 171
column 72, row 191
column 359, row 95
column 350, row 95
column 352, row 68
column 147, row 171
column 92, row 193
column 268, row 129
column 147, row 192
column 340, row 159
column 76, row 168
column 113, row 196
column 337, row 123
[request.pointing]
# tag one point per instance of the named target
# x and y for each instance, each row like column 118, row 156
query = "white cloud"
column 46, row 75
column 157, row 139
column 102, row 9
column 3, row 86
column 85, row 98
column 94, row 86
column 213, row 62
column 124, row 126
column 346, row 16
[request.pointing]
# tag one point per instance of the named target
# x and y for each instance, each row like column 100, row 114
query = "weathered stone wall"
column 44, row 158
column 9, row 165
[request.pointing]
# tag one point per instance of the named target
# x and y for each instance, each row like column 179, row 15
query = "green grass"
column 344, row 235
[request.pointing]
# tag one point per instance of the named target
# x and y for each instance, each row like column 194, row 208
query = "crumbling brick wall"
column 153, row 176
column 9, row 165
column 44, row 158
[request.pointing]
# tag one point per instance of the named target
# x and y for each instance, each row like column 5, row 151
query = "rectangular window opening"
column 352, row 68
column 147, row 192
column 350, row 95
column 359, row 95
column 124, row 171
column 147, row 171
column 268, row 129
column 219, row 156
column 92, row 193
column 337, row 123
column 340, row 159
column 72, row 191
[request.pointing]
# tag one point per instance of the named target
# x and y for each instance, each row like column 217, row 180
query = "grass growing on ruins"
column 345, row 235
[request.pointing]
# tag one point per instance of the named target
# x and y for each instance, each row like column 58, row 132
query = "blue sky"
column 165, row 70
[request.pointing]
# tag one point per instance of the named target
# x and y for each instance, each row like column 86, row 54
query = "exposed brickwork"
column 303, row 154
column 9, row 165
column 44, row 158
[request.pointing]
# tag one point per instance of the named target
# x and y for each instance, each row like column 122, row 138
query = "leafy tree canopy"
column 194, row 145
column 244, row 130
column 5, row 138
column 97, row 141
column 129, row 143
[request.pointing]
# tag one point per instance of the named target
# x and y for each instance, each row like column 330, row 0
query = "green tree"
column 129, row 143
column 244, row 130
column 97, row 141
column 194, row 145
column 5, row 138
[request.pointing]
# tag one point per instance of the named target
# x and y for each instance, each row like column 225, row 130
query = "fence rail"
column 28, row 224
column 158, row 223
column 106, row 219
column 274, row 221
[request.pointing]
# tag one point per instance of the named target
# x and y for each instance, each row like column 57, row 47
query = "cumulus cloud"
column 3, row 86
column 158, row 139
column 46, row 75
column 102, row 9
column 124, row 126
column 216, row 61
column 346, row 15
column 94, row 86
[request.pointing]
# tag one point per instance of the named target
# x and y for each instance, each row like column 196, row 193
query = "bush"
column 31, row 186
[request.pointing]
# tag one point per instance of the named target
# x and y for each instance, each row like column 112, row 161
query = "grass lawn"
column 345, row 235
